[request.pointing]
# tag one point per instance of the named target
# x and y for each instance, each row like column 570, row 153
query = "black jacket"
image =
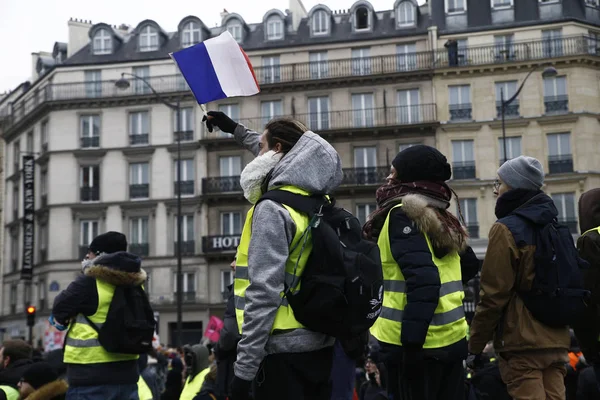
column 225, row 350
column 81, row 297
column 11, row 375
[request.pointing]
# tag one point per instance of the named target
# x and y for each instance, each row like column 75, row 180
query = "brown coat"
column 506, row 266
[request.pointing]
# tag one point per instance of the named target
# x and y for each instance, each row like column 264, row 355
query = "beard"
column 254, row 174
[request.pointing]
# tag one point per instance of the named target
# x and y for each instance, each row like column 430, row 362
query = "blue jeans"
column 104, row 392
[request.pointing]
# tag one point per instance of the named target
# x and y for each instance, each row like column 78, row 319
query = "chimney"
column 224, row 13
column 78, row 36
column 297, row 11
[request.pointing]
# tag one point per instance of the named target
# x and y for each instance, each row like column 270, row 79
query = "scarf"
column 255, row 172
column 438, row 195
column 513, row 199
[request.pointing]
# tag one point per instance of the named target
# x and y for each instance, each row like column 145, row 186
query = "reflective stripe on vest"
column 10, row 392
column 448, row 324
column 191, row 389
column 82, row 345
column 300, row 248
column 597, row 229
column 144, row 392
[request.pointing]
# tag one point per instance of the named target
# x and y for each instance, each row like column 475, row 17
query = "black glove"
column 475, row 361
column 239, row 389
column 220, row 120
column 413, row 362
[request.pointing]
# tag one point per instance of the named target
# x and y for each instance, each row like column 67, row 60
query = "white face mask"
column 253, row 175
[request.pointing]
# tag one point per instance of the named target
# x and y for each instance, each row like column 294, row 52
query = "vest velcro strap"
column 445, row 289
column 82, row 343
column 438, row 319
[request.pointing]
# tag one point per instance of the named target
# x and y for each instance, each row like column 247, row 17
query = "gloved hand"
column 220, row 120
column 475, row 361
column 413, row 361
column 55, row 324
column 239, row 389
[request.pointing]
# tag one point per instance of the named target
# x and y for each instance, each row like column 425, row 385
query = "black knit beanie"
column 109, row 242
column 422, row 163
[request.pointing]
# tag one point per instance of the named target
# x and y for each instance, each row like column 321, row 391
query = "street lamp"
column 125, row 84
column 548, row 72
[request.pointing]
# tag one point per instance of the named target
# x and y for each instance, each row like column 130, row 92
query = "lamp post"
column 547, row 73
column 125, row 84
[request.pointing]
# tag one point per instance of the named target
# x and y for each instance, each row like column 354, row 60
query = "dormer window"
column 320, row 23
column 235, row 28
column 405, row 14
column 361, row 18
column 58, row 59
column 190, row 34
column 102, row 42
column 148, row 40
column 499, row 4
column 593, row 3
column 456, row 6
column 274, row 28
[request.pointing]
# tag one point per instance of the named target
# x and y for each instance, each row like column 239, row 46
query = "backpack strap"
column 306, row 204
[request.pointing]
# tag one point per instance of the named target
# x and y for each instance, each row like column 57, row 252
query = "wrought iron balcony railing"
column 187, row 296
column 82, row 251
column 138, row 139
column 188, row 247
column 90, row 141
column 140, row 249
column 139, row 191
column 463, row 170
column 187, row 188
column 461, row 112
column 473, row 230
column 89, row 193
column 220, row 243
column 365, row 176
column 510, row 111
column 556, row 104
column 221, row 184
column 560, row 164
column 184, row 136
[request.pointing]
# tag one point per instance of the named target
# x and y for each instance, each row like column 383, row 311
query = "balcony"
column 89, row 193
column 90, row 142
column 188, row 247
column 220, row 243
column 571, row 223
column 463, row 170
column 138, row 139
column 365, row 176
column 184, row 136
column 140, row 249
column 461, row 112
column 171, row 298
column 556, row 104
column 510, row 111
column 187, row 188
column 560, row 164
column 139, row 191
column 82, row 251
column 473, row 230
column 221, row 184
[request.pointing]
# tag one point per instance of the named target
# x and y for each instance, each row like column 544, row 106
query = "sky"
column 34, row 25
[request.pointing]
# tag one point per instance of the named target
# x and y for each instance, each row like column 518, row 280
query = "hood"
column 589, row 210
column 12, row 374
column 49, row 391
column 540, row 210
column 312, row 164
column 417, row 209
column 119, row 269
column 201, row 354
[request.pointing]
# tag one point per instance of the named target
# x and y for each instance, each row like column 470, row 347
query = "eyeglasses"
column 497, row 184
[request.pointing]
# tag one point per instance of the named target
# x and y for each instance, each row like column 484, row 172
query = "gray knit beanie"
column 522, row 173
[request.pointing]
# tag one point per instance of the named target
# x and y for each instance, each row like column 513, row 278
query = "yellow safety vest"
column 82, row 345
column 10, row 392
column 192, row 388
column 300, row 250
column 597, row 229
column 448, row 325
column 144, row 391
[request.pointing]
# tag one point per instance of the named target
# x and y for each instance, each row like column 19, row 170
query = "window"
column 504, row 47
column 233, row 111
column 13, row 298
column 188, row 245
column 318, row 110
column 90, row 131
column 89, row 230
column 364, row 210
column 187, row 177
column 463, row 155
column 556, row 99
column 320, row 23
column 361, row 18
column 318, row 65
column 226, row 280
column 271, row 70
column 362, row 110
column 593, row 3
column 468, row 207
column 191, row 34
column 138, row 236
column 513, row 148
column 235, row 28
column 148, row 40
column 43, row 242
column 231, row 223
column 16, row 201
column 14, row 252
column 44, row 187
column 409, row 110
column 29, row 142
column 140, row 86
column 361, row 61
column 405, row 15
column 553, row 44
column 274, row 28
column 593, row 42
column 560, row 159
column 406, row 56
column 456, row 6
column 230, row 166
column 500, row 4
column 16, row 156
column 102, row 42
column 139, row 181
column 138, row 127
column 405, row 146
column 460, row 102
column 90, row 183
column 185, row 130
column 188, row 285
column 365, row 165
column 565, row 204
column 270, row 110
column 44, row 136
column 93, row 83
column 506, row 90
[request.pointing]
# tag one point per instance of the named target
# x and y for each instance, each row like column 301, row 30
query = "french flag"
column 216, row 69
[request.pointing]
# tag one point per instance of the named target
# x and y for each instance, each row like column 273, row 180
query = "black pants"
column 439, row 381
column 295, row 376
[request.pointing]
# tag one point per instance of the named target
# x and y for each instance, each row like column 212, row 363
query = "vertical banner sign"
column 28, row 216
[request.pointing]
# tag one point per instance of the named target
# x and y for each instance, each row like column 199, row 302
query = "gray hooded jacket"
column 313, row 165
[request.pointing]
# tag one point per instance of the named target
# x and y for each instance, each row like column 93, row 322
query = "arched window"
column 190, row 35
column 102, row 42
column 361, row 18
column 274, row 28
column 148, row 40
column 235, row 28
column 320, row 23
column 405, row 14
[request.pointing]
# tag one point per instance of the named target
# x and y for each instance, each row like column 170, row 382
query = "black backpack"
column 557, row 297
column 129, row 325
column 341, row 288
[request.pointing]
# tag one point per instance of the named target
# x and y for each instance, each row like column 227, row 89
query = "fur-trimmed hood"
column 425, row 217
column 55, row 390
column 119, row 269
